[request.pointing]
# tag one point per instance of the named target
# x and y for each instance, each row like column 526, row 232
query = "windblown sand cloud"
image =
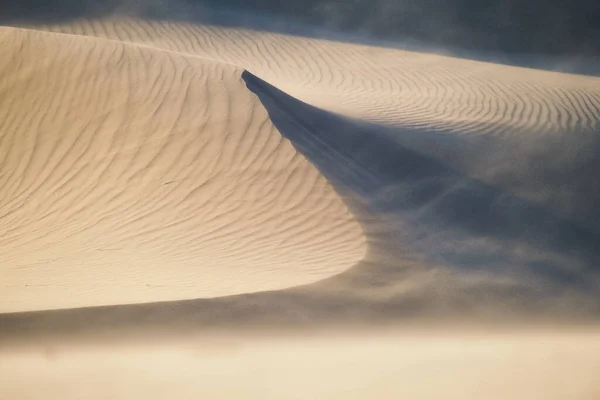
column 377, row 83
column 164, row 182
column 194, row 170
column 537, row 365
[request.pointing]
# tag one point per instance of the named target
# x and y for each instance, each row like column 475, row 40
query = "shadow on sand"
column 444, row 214
column 430, row 229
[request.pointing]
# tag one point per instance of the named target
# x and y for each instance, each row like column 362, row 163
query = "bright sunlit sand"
column 135, row 175
column 137, row 167
column 171, row 177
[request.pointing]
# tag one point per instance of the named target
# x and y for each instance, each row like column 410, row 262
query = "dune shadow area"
column 445, row 214
column 431, row 228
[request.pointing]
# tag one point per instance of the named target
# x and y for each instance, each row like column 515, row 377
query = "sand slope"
column 380, row 84
column 224, row 187
column 131, row 175
column 527, row 131
column 141, row 162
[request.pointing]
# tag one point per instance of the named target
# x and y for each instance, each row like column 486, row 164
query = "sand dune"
column 144, row 148
column 524, row 130
column 132, row 175
column 443, row 213
column 380, row 84
column 161, row 182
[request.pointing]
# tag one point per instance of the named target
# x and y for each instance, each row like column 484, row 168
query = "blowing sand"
column 141, row 164
column 534, row 366
column 379, row 84
column 137, row 167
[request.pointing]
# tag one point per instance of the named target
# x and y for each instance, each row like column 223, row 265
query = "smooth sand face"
column 132, row 175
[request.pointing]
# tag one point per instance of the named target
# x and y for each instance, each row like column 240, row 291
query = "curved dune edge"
column 380, row 84
column 529, row 132
column 369, row 83
column 131, row 175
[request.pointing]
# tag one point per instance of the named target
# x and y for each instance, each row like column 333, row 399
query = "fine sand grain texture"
column 131, row 175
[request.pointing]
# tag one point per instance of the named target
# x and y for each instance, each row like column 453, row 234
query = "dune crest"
column 131, row 175
column 380, row 84
column 520, row 140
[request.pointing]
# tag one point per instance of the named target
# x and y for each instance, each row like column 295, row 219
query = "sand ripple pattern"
column 382, row 84
column 130, row 175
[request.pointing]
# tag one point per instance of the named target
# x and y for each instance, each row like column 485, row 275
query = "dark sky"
column 546, row 26
column 558, row 27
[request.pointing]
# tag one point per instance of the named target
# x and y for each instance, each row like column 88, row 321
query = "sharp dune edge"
column 133, row 175
column 156, row 151
column 380, row 84
column 508, row 126
column 142, row 170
